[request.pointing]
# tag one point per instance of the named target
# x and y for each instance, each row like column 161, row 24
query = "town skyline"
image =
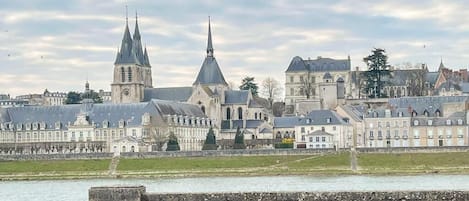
column 45, row 43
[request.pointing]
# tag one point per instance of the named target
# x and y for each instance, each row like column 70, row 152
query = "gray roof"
column 327, row 75
column 440, row 121
column 236, row 96
column 315, row 117
column 318, row 65
column 431, row 77
column 210, row 73
column 180, row 94
column 320, row 132
column 431, row 104
column 131, row 113
column 131, row 51
column 464, row 87
column 286, row 122
column 448, row 85
column 249, row 123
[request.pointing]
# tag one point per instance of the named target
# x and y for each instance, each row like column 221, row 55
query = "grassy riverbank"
column 331, row 164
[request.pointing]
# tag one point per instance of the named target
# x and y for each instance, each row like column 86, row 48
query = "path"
column 113, row 165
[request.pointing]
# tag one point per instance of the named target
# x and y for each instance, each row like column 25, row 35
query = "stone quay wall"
column 218, row 153
column 138, row 193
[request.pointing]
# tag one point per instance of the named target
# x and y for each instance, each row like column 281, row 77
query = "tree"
column 307, row 89
column 76, row 97
column 92, row 95
column 173, row 144
column 249, row 84
column 378, row 72
column 416, row 79
column 239, row 140
column 210, row 141
column 73, row 98
column 160, row 136
column 271, row 90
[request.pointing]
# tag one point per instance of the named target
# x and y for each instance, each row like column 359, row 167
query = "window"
column 448, row 122
column 396, row 133
column 122, row 74
column 371, row 133
column 129, row 74
column 303, row 138
column 317, row 139
column 334, row 128
column 292, row 91
column 203, row 109
column 292, row 79
column 430, row 122
column 302, row 129
column 134, row 132
column 255, row 115
column 310, row 139
column 416, row 123
column 459, row 121
column 240, row 113
column 228, row 113
column 323, row 139
column 388, row 124
column 301, row 78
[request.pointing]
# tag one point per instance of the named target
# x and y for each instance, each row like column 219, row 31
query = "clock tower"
column 132, row 69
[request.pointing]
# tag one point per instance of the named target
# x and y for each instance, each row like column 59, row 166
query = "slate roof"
column 131, row 113
column 439, row 121
column 131, row 51
column 429, row 103
column 315, row 117
column 180, row 94
column 431, row 77
column 327, row 75
column 318, row 65
column 464, row 87
column 249, row 123
column 210, row 72
column 236, row 96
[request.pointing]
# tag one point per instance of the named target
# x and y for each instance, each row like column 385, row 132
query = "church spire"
column 442, row 66
column 126, row 55
column 209, row 41
column 137, row 42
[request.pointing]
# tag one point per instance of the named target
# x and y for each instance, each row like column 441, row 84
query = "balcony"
column 430, row 137
column 380, row 137
column 405, row 137
column 396, row 137
column 416, row 137
column 371, row 138
column 449, row 136
column 440, row 136
column 460, row 136
column 388, row 137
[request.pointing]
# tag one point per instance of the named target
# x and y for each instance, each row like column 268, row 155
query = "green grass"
column 334, row 161
column 15, row 167
column 203, row 163
column 450, row 162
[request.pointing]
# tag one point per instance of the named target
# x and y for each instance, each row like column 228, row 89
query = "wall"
column 138, row 193
column 69, row 156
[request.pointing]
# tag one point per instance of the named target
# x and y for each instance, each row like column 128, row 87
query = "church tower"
column 132, row 69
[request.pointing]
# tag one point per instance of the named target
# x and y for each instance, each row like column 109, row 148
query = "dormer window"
column 416, row 122
column 459, row 121
column 448, row 122
column 121, row 123
column 328, row 120
column 308, row 121
column 28, row 126
column 35, row 126
column 430, row 122
column 43, row 125
column 105, row 124
column 58, row 125
column 19, row 126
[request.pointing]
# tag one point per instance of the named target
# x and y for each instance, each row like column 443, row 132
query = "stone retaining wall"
column 138, row 194
column 247, row 152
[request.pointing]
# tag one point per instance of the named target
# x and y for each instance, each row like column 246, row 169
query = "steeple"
column 442, row 66
column 146, row 61
column 125, row 55
column 210, row 73
column 137, row 42
column 209, row 40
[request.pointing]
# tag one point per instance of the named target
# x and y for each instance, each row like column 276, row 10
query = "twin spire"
column 131, row 51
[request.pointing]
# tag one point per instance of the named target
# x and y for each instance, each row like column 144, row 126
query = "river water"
column 77, row 190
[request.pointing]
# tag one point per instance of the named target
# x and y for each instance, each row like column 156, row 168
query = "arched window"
column 129, row 74
column 122, row 74
column 255, row 115
column 228, row 113
column 240, row 113
column 203, row 109
column 260, row 115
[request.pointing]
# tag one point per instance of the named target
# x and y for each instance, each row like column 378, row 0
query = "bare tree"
column 307, row 88
column 160, row 136
column 416, row 81
column 271, row 90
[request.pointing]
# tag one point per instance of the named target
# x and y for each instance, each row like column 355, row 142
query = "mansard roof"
column 131, row 113
column 315, row 117
column 318, row 65
column 179, row 94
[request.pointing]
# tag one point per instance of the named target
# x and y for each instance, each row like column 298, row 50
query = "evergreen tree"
column 378, row 73
column 239, row 140
column 173, row 144
column 210, row 141
column 249, row 84
column 73, row 98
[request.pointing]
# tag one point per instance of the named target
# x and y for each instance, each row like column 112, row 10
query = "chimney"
column 357, row 68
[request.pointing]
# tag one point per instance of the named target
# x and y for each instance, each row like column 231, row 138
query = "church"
column 226, row 107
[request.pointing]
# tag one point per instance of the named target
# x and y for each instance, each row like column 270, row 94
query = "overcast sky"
column 58, row 44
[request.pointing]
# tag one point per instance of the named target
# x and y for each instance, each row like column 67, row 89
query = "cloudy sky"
column 58, row 44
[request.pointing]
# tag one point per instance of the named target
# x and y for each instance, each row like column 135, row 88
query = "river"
column 77, row 190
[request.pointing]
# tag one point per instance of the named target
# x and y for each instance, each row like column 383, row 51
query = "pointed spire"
column 209, row 41
column 137, row 31
column 126, row 54
column 442, row 66
column 146, row 61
